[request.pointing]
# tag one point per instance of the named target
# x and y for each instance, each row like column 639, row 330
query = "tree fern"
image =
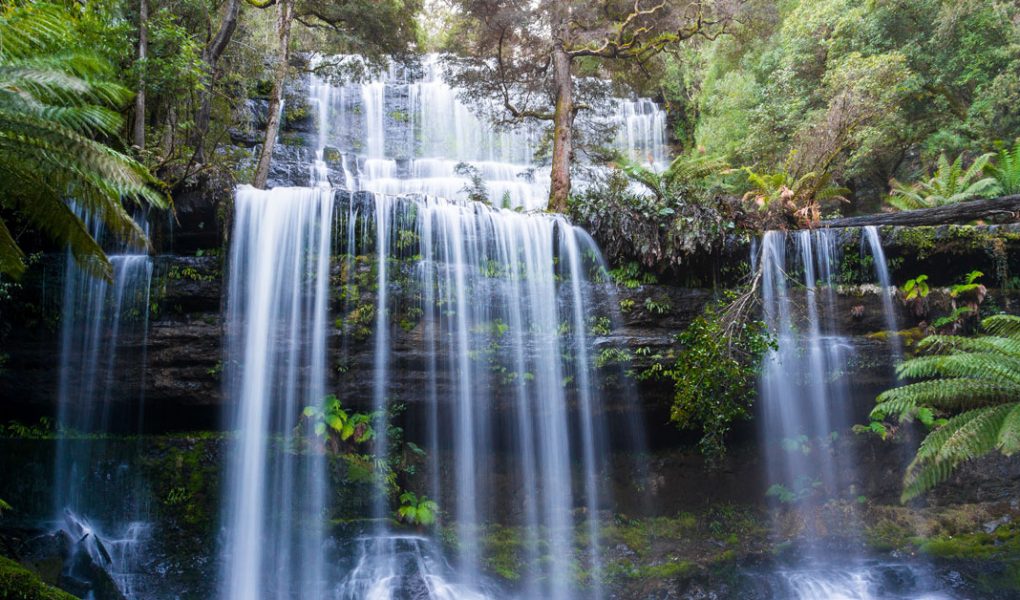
column 979, row 376
column 949, row 184
column 1005, row 169
column 681, row 174
column 57, row 109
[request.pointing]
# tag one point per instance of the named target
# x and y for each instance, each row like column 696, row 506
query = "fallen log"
column 1004, row 207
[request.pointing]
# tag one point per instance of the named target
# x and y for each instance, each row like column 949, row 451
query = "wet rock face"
column 182, row 370
column 176, row 364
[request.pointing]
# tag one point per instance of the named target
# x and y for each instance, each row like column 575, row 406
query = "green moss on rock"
column 18, row 583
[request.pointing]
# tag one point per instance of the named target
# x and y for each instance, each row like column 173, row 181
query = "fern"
column 1006, row 170
column 949, row 184
column 54, row 107
column 979, row 376
column 796, row 196
column 682, row 174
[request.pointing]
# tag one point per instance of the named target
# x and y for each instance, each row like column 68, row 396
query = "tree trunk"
column 962, row 212
column 563, row 125
column 211, row 56
column 284, row 19
column 563, row 117
column 138, row 126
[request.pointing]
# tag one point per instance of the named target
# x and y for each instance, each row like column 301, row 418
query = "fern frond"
column 642, row 175
column 977, row 365
column 952, row 394
column 964, row 437
column 1009, row 434
column 980, row 375
column 1003, row 326
column 986, row 344
column 1006, row 170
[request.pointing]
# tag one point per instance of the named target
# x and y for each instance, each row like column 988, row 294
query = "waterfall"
column 406, row 132
column 804, row 398
column 805, row 408
column 505, row 304
column 103, row 327
column 874, row 242
column 276, row 352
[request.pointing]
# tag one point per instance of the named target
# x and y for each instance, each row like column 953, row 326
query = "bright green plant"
column 332, row 417
column 714, row 377
column 1005, row 169
column 916, row 288
column 804, row 488
column 16, row 429
column 417, row 510
column 978, row 378
column 949, row 184
column 630, row 275
column 915, row 294
column 55, row 106
column 968, row 286
column 4, row 506
column 683, row 174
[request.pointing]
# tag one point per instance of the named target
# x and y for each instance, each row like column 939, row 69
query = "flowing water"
column 406, row 132
column 505, row 305
column 855, row 580
column 874, row 243
column 805, row 404
column 103, row 329
column 276, row 349
column 804, row 394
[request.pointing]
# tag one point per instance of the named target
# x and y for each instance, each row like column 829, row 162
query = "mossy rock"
column 18, row 583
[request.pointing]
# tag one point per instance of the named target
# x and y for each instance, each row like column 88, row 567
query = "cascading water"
column 874, row 242
column 505, row 306
column 101, row 322
column 805, row 405
column 276, row 327
column 406, row 132
column 506, row 303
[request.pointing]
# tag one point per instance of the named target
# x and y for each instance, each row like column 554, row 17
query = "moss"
column 1003, row 543
column 923, row 242
column 503, row 549
column 18, row 583
column 667, row 570
column 185, row 472
column 919, row 241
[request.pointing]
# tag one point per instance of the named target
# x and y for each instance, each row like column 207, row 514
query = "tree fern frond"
column 32, row 29
column 54, row 107
column 977, row 365
column 1002, row 325
column 977, row 437
column 1009, row 434
column 12, row 259
column 965, row 436
column 980, row 375
column 642, row 175
column 1006, row 170
column 988, row 344
column 955, row 394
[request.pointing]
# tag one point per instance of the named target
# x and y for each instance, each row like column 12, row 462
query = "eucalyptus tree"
column 523, row 60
